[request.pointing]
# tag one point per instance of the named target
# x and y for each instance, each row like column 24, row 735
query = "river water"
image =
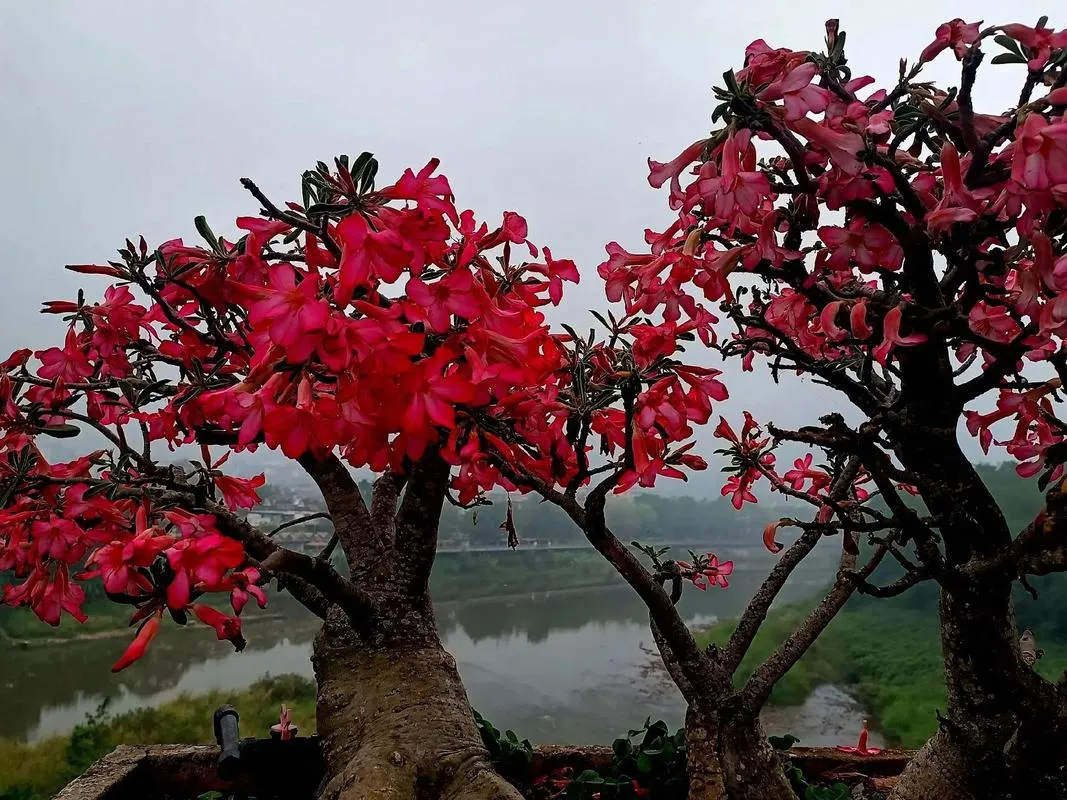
column 568, row 666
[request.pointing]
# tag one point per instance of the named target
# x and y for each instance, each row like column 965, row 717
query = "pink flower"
column 795, row 89
column 802, row 472
column 1042, row 41
column 842, row 147
column 956, row 34
column 768, row 536
column 291, row 312
column 861, row 748
column 956, row 204
column 717, row 572
column 429, row 193
column 455, row 294
column 891, row 336
column 69, row 362
column 1040, row 161
column 866, row 244
column 239, row 492
column 661, row 173
column 226, row 628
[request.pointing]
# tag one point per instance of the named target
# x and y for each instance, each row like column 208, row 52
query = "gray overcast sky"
column 126, row 118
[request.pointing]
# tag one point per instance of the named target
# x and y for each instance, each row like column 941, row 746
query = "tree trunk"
column 729, row 758
column 999, row 715
column 393, row 714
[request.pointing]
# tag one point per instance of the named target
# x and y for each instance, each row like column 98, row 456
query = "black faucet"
column 228, row 738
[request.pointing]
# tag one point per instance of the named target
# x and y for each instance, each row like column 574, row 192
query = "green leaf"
column 61, row 431
column 1007, row 43
column 574, row 334
column 601, row 319
column 360, row 164
column 644, row 763
column 327, row 208
column 366, row 183
column 205, row 232
column 590, row 777
column 782, row 742
column 1008, row 58
column 622, row 748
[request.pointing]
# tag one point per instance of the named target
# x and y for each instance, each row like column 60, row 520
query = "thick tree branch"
column 756, row 610
column 313, row 582
column 417, row 520
column 759, row 685
column 897, row 587
column 1040, row 549
column 590, row 520
column 351, row 520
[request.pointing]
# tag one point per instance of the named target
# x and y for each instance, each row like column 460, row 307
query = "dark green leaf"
column 366, row 184
column 601, row 319
column 1007, row 43
column 590, row 777
column 206, row 233
column 61, row 431
column 782, row 742
column 1008, row 58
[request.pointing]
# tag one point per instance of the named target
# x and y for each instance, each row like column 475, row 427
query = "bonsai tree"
column 370, row 328
column 909, row 253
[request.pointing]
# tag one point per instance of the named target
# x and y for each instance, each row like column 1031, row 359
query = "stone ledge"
column 294, row 768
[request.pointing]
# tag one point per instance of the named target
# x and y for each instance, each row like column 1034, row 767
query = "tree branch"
column 351, row 520
column 759, row 685
column 590, row 520
column 418, row 517
column 299, row 521
column 756, row 610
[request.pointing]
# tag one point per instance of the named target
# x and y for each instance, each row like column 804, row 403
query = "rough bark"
column 729, row 758
column 392, row 712
column 999, row 713
column 394, row 717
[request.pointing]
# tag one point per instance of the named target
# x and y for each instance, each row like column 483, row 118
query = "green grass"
column 890, row 656
column 38, row 771
column 20, row 623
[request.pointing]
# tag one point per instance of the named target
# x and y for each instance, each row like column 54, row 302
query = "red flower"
column 956, row 34
column 226, row 628
column 69, row 363
column 456, row 293
column 431, row 194
column 145, row 634
column 239, row 492
column 891, row 336
column 1042, row 41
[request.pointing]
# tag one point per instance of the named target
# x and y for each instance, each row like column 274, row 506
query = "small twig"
column 327, row 551
column 300, row 520
column 295, row 220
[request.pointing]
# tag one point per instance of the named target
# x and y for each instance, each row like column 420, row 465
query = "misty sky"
column 126, row 118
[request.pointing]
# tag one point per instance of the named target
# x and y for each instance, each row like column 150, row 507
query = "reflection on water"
column 557, row 667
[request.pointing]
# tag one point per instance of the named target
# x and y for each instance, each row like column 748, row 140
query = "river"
column 567, row 666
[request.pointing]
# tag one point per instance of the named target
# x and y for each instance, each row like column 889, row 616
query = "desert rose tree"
column 910, row 253
column 380, row 329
